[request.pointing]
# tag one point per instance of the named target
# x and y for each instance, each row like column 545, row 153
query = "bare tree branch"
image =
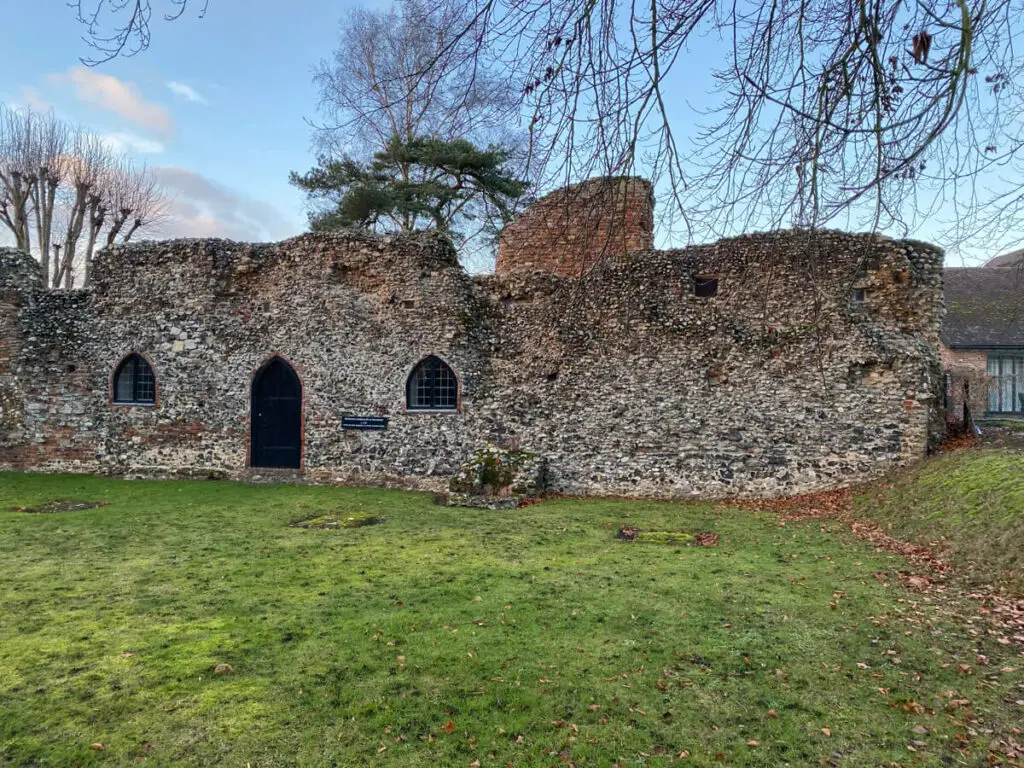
column 121, row 27
column 859, row 112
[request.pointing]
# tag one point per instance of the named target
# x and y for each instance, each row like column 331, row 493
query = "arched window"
column 432, row 386
column 134, row 383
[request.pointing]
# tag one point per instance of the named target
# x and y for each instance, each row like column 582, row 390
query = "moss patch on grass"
column 680, row 538
column 451, row 635
column 337, row 520
column 65, row 505
column 970, row 502
column 663, row 537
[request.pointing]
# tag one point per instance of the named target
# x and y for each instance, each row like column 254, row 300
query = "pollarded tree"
column 426, row 183
column 52, row 140
column 124, row 200
column 34, row 153
column 64, row 180
column 89, row 163
column 19, row 169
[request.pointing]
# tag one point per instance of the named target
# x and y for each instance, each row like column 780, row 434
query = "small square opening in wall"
column 705, row 287
column 858, row 295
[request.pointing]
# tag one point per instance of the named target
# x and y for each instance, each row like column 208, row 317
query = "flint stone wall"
column 623, row 380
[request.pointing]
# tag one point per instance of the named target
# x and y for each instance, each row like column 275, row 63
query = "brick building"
column 983, row 339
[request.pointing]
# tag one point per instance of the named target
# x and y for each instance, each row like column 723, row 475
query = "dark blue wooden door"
column 276, row 416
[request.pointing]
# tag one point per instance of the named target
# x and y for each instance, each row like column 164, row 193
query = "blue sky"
column 219, row 106
column 219, row 103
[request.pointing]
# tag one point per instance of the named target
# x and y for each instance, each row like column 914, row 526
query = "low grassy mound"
column 970, row 502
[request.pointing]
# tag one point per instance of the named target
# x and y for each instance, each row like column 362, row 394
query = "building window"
column 134, row 383
column 432, row 386
column 1006, row 388
column 858, row 295
column 705, row 287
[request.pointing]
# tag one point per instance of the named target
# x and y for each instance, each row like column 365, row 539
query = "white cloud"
column 30, row 98
column 128, row 143
column 200, row 207
column 124, row 99
column 186, row 92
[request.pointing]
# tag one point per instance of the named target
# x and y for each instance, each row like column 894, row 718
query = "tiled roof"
column 1010, row 259
column 984, row 307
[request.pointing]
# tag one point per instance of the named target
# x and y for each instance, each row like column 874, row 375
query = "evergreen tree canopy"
column 424, row 183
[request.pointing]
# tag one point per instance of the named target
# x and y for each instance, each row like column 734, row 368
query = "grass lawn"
column 454, row 637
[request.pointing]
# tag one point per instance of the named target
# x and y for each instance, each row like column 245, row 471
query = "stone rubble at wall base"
column 498, row 478
column 622, row 380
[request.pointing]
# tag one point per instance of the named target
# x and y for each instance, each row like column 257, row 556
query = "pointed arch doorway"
column 276, row 416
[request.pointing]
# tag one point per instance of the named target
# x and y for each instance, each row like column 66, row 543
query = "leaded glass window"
column 134, row 383
column 432, row 386
column 1006, row 387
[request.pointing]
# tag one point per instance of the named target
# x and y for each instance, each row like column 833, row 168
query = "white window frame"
column 1006, row 387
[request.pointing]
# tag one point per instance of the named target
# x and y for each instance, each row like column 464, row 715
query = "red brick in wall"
column 570, row 230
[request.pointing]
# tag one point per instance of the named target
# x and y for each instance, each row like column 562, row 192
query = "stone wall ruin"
column 815, row 364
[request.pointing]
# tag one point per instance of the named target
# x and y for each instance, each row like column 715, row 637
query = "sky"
column 217, row 106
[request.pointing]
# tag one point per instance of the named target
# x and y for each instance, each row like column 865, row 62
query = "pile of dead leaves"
column 705, row 539
column 958, row 442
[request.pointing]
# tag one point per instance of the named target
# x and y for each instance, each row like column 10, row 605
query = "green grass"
column 971, row 501
column 448, row 636
column 1011, row 424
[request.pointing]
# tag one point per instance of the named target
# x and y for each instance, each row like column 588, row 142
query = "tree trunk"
column 74, row 232
column 116, row 225
column 44, row 194
column 97, row 215
column 38, row 193
column 19, row 191
column 131, row 230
